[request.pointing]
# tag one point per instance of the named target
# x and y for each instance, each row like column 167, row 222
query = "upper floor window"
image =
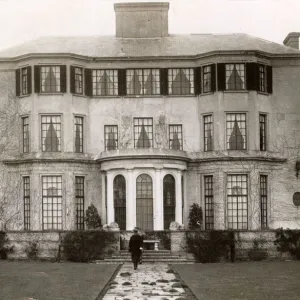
column 208, row 133
column 50, row 79
column 143, row 82
column 181, row 81
column 262, row 132
column 262, row 79
column 175, row 137
column 78, row 134
column 207, row 79
column 111, row 137
column 24, row 74
column 23, row 81
column 235, row 76
column 78, row 80
column 143, row 132
column 105, row 82
column 51, row 133
column 25, row 127
column 236, row 131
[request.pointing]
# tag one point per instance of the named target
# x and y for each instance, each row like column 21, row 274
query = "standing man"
column 135, row 246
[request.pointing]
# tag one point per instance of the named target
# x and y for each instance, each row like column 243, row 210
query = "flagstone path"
column 149, row 281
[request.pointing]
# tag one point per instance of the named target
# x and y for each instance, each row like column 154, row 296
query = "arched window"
column 169, row 200
column 120, row 201
column 144, row 202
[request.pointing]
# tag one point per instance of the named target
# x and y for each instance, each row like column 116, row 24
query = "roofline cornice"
column 146, row 58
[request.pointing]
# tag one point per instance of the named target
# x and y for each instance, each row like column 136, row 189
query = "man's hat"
column 135, row 230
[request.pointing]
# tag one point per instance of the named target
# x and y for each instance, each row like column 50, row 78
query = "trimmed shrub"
column 211, row 246
column 288, row 241
column 92, row 218
column 4, row 249
column 32, row 250
column 195, row 217
column 84, row 246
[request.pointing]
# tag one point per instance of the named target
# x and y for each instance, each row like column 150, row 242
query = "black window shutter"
column 252, row 76
column 18, row 82
column 213, row 77
column 197, row 80
column 269, row 79
column 164, row 81
column 221, row 77
column 63, row 79
column 72, row 79
column 37, row 85
column 88, row 82
column 29, row 79
column 122, row 82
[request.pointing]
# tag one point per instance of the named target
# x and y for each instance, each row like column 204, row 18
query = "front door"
column 144, row 202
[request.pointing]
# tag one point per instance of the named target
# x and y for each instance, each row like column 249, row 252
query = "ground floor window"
column 169, row 200
column 237, row 201
column 120, row 201
column 26, row 195
column 263, row 201
column 52, row 202
column 209, row 202
column 79, row 198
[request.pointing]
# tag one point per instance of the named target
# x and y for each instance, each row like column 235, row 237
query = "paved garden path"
column 149, row 281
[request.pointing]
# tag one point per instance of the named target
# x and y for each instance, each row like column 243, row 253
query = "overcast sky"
column 23, row 20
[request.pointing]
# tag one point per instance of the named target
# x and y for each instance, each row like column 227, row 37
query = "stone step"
column 149, row 251
column 147, row 259
column 104, row 262
column 145, row 256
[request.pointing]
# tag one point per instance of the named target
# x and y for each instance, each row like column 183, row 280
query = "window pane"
column 236, row 131
column 111, row 137
column 175, row 137
column 50, row 79
column 143, row 132
column 51, row 133
column 181, row 81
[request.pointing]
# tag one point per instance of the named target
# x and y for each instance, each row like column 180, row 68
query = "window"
column 208, row 133
column 209, row 202
column 105, row 82
column 79, row 201
column 26, row 196
column 262, row 78
column 235, row 76
column 50, row 79
column 175, row 137
column 78, row 80
column 169, row 200
column 143, row 82
column 262, row 132
column 181, row 81
column 111, row 137
column 144, row 202
column 120, row 201
column 206, row 79
column 143, row 132
column 78, row 134
column 25, row 126
column 263, row 201
column 24, row 74
column 51, row 133
column 237, row 201
column 52, row 202
column 236, row 131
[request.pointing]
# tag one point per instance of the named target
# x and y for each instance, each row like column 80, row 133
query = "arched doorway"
column 120, row 201
column 169, row 200
column 144, row 202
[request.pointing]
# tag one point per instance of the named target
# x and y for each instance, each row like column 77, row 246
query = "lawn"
column 53, row 281
column 237, row 281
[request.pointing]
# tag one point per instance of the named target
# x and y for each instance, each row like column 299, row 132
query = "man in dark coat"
column 135, row 247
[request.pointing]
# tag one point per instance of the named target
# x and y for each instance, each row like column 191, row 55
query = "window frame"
column 235, row 84
column 204, row 132
column 76, row 81
column 115, row 81
column 81, row 140
column 246, row 130
column 23, row 134
column 61, row 131
column 263, row 115
column 134, row 135
column 262, row 80
column 191, row 80
column 263, row 201
column 209, row 213
column 106, row 133
column 56, row 85
column 26, row 202
column 80, row 202
column 143, row 82
column 180, row 137
column 22, row 82
column 203, row 73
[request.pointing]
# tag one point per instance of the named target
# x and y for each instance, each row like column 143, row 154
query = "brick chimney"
column 292, row 40
column 141, row 20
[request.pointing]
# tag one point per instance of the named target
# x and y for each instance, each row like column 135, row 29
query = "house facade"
column 143, row 124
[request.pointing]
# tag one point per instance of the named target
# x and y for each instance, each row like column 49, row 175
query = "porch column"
column 178, row 210
column 110, row 199
column 158, row 202
column 130, row 211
